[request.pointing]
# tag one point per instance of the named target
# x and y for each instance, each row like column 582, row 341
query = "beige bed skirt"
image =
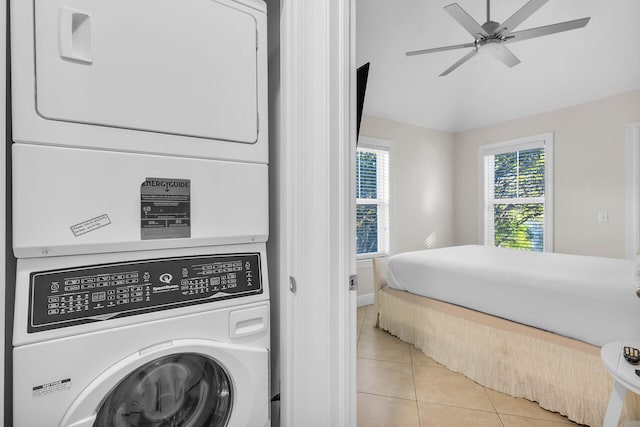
column 561, row 374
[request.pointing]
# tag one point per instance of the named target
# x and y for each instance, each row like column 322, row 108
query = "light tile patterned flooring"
column 399, row 386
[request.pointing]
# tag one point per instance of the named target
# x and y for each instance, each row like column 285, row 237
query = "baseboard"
column 367, row 299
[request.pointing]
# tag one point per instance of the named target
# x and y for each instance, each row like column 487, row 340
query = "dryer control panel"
column 68, row 297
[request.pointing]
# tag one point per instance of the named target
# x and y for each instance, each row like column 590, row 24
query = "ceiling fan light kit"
column 491, row 37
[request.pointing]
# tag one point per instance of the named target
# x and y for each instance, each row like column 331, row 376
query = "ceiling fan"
column 493, row 36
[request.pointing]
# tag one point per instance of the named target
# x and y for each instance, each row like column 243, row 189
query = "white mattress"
column 590, row 299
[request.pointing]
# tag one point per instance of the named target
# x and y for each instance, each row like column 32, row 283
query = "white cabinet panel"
column 74, row 201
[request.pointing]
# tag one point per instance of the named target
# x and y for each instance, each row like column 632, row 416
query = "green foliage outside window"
column 519, row 175
column 366, row 229
column 366, row 214
column 519, row 226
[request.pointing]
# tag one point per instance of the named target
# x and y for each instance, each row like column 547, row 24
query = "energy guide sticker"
column 51, row 388
column 165, row 208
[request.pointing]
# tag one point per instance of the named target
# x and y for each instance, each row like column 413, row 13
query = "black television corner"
column 362, row 76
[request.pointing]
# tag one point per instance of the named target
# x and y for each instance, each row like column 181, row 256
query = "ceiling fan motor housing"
column 490, row 27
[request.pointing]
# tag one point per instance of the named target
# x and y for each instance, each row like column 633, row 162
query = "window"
column 517, row 186
column 372, row 199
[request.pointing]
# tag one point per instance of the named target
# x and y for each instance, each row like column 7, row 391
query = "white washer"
column 194, row 351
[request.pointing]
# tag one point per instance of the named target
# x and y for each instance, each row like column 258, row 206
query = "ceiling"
column 556, row 71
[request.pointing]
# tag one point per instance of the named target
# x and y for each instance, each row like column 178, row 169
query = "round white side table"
column 625, row 380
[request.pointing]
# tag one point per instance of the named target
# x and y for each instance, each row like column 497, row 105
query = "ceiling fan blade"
column 505, row 55
column 547, row 29
column 461, row 61
column 440, row 49
column 520, row 16
column 463, row 18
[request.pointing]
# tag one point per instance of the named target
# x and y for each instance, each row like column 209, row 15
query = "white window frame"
column 545, row 140
column 383, row 197
column 633, row 190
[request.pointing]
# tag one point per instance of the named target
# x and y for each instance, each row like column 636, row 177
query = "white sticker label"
column 51, row 388
column 90, row 225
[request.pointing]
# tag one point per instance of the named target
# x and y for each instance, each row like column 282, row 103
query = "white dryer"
column 172, row 337
column 185, row 78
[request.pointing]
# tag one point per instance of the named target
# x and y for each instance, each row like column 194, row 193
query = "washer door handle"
column 247, row 322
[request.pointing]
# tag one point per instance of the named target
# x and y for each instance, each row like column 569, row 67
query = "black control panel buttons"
column 69, row 297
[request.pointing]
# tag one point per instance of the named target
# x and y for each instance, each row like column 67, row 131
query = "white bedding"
column 591, row 299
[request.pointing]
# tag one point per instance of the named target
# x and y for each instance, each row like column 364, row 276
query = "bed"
column 522, row 323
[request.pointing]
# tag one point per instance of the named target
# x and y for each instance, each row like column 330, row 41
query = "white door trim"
column 3, row 198
column 317, row 145
column 633, row 190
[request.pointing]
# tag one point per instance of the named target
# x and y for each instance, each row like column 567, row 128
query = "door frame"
column 314, row 203
column 5, row 395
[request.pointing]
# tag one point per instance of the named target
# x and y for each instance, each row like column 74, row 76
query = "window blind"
column 372, row 200
column 515, row 196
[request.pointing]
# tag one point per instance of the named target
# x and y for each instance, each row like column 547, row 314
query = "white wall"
column 421, row 188
column 589, row 173
column 421, row 183
column 365, row 282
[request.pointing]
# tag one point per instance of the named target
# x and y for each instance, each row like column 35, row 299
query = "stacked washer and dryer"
column 140, row 213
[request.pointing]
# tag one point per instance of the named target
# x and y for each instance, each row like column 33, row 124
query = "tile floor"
column 399, row 386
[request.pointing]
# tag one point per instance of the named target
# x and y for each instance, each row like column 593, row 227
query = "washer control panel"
column 74, row 296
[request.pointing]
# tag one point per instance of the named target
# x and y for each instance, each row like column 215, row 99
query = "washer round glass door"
column 186, row 390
